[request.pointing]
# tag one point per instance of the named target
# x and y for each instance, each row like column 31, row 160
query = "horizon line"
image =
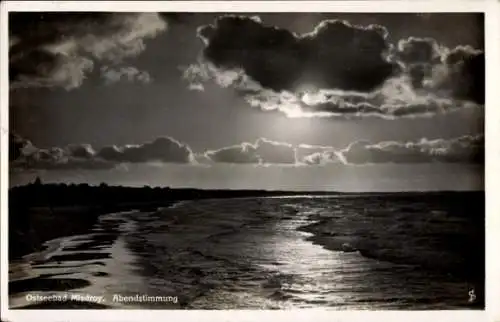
column 306, row 192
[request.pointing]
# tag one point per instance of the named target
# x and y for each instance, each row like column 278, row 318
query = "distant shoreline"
column 269, row 191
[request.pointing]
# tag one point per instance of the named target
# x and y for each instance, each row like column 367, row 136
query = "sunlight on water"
column 266, row 253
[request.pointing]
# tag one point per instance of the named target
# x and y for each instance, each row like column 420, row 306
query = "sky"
column 293, row 101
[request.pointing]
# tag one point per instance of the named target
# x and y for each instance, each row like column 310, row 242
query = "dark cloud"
column 59, row 49
column 417, row 73
column 164, row 149
column 74, row 157
column 460, row 71
column 24, row 155
column 316, row 155
column 84, row 151
column 466, row 149
column 465, row 74
column 334, row 55
column 16, row 146
column 355, row 70
column 415, row 50
column 241, row 153
column 40, row 68
column 263, row 151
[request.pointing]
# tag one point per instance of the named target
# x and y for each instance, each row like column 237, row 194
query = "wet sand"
column 46, row 284
column 63, row 257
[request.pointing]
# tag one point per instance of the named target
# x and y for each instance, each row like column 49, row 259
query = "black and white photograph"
column 248, row 160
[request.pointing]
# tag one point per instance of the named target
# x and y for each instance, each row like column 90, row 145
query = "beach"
column 264, row 253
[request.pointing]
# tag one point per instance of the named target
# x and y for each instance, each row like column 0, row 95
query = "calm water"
column 365, row 252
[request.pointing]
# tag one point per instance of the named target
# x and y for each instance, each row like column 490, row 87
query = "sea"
column 399, row 251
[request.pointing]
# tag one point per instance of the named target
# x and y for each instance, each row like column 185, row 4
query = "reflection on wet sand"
column 73, row 267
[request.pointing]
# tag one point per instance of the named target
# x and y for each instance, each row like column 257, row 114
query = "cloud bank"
column 468, row 149
column 337, row 70
column 465, row 149
column 24, row 155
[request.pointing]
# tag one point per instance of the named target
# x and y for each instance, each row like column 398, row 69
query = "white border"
column 492, row 166
column 256, row 6
column 492, row 127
